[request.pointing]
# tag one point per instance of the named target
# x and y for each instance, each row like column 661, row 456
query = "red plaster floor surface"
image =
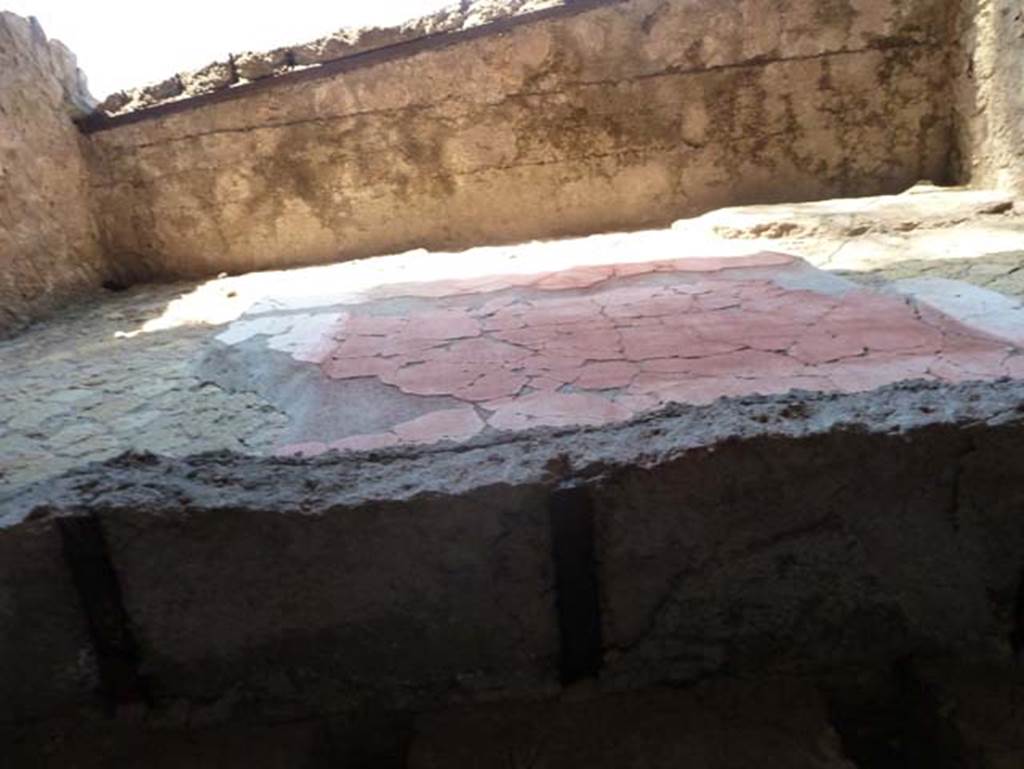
column 595, row 345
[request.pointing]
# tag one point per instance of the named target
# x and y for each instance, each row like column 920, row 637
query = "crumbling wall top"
column 250, row 66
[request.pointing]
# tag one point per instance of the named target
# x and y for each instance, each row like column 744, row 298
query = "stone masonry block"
column 723, row 725
column 47, row 660
column 380, row 603
column 811, row 552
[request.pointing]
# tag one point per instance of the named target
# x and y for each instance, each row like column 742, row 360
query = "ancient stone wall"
column 989, row 85
column 250, row 66
column 793, row 536
column 602, row 116
column 490, row 123
column 49, row 250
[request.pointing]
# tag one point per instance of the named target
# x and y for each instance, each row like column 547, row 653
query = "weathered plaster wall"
column 621, row 116
column 49, row 249
column 989, row 85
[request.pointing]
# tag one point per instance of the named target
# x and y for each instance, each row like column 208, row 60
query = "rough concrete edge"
column 178, row 100
column 558, row 458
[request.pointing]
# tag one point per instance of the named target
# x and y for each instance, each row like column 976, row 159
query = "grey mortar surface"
column 153, row 482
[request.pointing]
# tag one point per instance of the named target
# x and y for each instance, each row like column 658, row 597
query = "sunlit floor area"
column 414, row 348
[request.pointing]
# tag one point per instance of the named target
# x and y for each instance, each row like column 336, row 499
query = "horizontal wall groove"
column 670, row 72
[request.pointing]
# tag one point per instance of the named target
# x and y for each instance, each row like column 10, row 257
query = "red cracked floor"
column 564, row 356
